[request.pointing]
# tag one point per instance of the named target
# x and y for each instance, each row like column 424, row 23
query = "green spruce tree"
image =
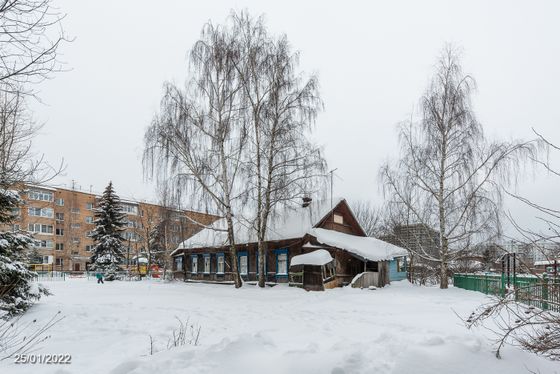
column 110, row 221
column 17, row 293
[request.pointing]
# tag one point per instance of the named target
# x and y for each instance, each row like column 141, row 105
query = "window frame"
column 338, row 219
column 206, row 257
column 178, row 260
column 223, row 258
column 40, row 195
column 400, row 264
column 42, row 212
column 278, row 252
column 246, row 255
column 194, row 264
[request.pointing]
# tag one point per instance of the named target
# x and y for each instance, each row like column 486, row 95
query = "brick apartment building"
column 61, row 221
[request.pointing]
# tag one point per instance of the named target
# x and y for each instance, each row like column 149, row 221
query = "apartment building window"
column 59, row 216
column 59, row 262
column 60, row 202
column 132, row 236
column 60, row 232
column 44, row 244
column 40, row 195
column 15, row 228
column 76, row 240
column 89, row 219
column 16, row 212
column 89, row 234
column 59, row 246
column 132, row 224
column 129, row 209
column 40, row 229
column 40, row 212
column 75, row 225
column 89, row 206
column 89, row 247
column 75, row 210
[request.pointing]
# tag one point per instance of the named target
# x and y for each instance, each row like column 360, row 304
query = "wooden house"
column 205, row 257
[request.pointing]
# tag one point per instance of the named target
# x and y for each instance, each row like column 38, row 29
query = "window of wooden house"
column 281, row 262
column 401, row 264
column 179, row 263
column 206, row 263
column 243, row 263
column 194, row 264
column 329, row 270
column 338, row 219
column 221, row 263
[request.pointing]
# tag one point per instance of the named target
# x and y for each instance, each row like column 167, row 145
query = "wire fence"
column 543, row 293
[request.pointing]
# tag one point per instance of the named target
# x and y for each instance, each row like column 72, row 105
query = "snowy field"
column 400, row 329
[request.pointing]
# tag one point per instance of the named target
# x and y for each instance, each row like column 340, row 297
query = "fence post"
column 503, row 285
column 545, row 292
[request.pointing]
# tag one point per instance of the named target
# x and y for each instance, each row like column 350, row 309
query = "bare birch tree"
column 528, row 315
column 448, row 175
column 370, row 218
column 281, row 106
column 198, row 138
column 30, row 35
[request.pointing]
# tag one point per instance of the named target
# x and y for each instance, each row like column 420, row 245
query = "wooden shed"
column 313, row 271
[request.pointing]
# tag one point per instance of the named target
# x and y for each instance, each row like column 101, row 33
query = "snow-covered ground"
column 399, row 329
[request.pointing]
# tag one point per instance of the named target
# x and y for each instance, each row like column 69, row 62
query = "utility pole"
column 332, row 174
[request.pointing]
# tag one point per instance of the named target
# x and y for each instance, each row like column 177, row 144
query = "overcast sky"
column 374, row 60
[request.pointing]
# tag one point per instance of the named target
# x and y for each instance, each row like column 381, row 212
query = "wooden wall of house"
column 293, row 248
column 349, row 223
column 394, row 273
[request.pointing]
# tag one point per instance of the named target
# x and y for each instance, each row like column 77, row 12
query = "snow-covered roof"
column 40, row 187
column 365, row 247
column 290, row 224
column 547, row 262
column 141, row 260
column 318, row 257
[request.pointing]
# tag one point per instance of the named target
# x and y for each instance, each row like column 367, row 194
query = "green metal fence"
column 542, row 292
column 41, row 276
